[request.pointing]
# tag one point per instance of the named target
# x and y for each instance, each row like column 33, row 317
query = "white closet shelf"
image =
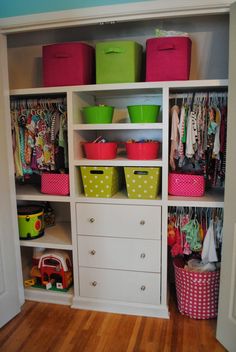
column 55, row 237
column 108, row 89
column 146, row 87
column 119, row 198
column 211, row 199
column 119, row 162
column 32, row 193
column 39, row 91
column 119, row 126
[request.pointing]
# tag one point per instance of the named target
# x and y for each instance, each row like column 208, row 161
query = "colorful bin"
column 118, row 62
column 98, row 114
column 168, row 58
column 197, row 292
column 186, row 185
column 100, row 181
column 143, row 113
column 100, row 151
column 30, row 221
column 142, row 182
column 142, row 151
column 68, row 64
column 57, row 184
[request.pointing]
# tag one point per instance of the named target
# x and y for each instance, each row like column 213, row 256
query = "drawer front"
column 119, row 253
column 119, row 220
column 128, row 286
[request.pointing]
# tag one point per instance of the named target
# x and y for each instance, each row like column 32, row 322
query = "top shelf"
column 130, row 88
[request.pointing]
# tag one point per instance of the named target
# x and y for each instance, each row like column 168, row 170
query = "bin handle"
column 166, row 47
column 114, row 50
column 139, row 172
column 96, row 172
column 62, row 55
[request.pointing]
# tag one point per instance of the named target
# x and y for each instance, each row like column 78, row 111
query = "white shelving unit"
column 67, row 234
column 73, row 231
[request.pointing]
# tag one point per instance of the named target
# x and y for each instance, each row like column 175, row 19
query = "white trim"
column 158, row 311
column 111, row 13
column 47, row 296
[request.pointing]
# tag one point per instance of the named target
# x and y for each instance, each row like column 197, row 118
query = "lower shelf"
column 55, row 237
column 40, row 295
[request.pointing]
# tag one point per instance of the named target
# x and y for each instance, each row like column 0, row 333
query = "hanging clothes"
column 174, row 135
column 198, row 136
column 196, row 231
column 209, row 254
column 39, row 130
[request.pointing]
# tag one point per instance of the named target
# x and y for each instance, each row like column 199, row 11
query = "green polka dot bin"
column 100, row 181
column 143, row 182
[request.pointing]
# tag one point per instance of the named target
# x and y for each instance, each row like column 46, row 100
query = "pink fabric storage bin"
column 68, row 64
column 57, row 184
column 186, row 185
column 168, row 58
column 197, row 293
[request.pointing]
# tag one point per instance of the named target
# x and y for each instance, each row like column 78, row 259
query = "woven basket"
column 197, row 293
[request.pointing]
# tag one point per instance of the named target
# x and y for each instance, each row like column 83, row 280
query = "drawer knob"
column 91, row 220
column 94, row 283
column 143, row 288
column 142, row 222
column 92, row 252
column 142, row 255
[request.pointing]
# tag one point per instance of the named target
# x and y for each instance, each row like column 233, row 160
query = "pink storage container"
column 142, row 151
column 197, row 293
column 103, row 151
column 186, row 185
column 168, row 58
column 57, row 184
column 68, row 64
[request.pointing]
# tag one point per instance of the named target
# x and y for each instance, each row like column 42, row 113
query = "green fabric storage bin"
column 100, row 181
column 118, row 62
column 142, row 182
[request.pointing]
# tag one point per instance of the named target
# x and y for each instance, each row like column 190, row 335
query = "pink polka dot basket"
column 197, row 293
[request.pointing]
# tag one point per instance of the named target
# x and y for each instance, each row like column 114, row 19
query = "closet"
column 118, row 245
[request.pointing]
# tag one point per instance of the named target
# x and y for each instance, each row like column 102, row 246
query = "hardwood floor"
column 42, row 327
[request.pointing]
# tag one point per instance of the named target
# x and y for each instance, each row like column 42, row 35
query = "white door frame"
column 226, row 324
column 10, row 268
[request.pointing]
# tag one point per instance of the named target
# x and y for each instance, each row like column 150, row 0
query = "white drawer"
column 119, row 253
column 119, row 220
column 128, row 286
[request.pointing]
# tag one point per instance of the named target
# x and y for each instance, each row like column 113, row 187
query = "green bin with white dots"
column 143, row 182
column 100, row 181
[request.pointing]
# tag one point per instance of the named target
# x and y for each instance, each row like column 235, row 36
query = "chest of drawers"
column 119, row 251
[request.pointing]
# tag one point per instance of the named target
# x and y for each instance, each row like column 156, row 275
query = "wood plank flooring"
column 42, row 327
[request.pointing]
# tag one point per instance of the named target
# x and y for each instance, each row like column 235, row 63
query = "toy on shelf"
column 53, row 270
column 49, row 215
column 30, row 221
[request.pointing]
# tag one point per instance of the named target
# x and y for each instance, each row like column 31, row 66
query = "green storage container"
column 118, row 62
column 98, row 114
column 100, row 181
column 30, row 221
column 142, row 182
column 143, row 113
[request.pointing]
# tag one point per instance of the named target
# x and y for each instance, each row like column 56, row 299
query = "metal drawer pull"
column 142, row 255
column 143, row 288
column 142, row 222
column 92, row 252
column 91, row 220
column 94, row 283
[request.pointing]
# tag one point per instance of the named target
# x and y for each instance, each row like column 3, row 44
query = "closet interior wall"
column 209, row 36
